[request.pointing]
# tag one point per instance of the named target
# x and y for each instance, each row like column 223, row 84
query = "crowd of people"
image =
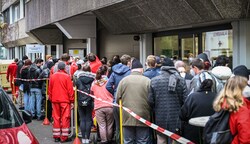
column 168, row 92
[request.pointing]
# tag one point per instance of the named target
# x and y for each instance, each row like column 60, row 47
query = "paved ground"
column 42, row 132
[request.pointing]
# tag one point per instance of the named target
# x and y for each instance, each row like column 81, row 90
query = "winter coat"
column 199, row 78
column 45, row 74
column 83, row 82
column 24, row 75
column 166, row 101
column 34, row 73
column 98, row 89
column 18, row 73
column 95, row 65
column 119, row 72
column 61, row 88
column 151, row 72
column 239, row 123
column 133, row 91
column 11, row 72
column 222, row 73
column 197, row 104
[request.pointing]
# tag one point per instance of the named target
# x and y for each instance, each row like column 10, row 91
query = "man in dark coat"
column 166, row 96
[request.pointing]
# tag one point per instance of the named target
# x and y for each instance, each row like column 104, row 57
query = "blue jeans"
column 135, row 134
column 35, row 101
column 26, row 98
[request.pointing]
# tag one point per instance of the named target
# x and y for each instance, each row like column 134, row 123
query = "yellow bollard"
column 77, row 140
column 121, row 131
column 13, row 93
column 46, row 120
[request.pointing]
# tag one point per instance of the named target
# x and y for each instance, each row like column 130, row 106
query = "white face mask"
column 183, row 74
column 192, row 72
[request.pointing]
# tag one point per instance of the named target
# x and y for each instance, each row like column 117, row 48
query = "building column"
column 59, row 51
column 48, row 50
column 17, row 52
column 241, row 43
column 145, row 47
column 91, row 45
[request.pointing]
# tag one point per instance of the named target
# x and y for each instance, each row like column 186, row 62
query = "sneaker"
column 57, row 139
column 87, row 141
column 83, row 141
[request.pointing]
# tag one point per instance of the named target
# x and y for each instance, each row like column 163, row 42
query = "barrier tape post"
column 170, row 134
column 13, row 93
column 77, row 140
column 121, row 131
column 46, row 120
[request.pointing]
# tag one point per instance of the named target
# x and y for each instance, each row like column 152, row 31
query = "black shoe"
column 21, row 108
column 34, row 117
column 57, row 139
column 67, row 140
column 38, row 119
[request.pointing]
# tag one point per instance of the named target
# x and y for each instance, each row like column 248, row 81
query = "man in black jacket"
column 166, row 95
column 35, row 88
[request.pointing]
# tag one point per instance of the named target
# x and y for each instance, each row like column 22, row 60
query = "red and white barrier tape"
column 148, row 123
column 31, row 79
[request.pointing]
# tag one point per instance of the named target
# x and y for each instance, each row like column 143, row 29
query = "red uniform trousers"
column 61, row 116
column 14, row 89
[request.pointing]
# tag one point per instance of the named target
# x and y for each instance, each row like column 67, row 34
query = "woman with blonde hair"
column 232, row 100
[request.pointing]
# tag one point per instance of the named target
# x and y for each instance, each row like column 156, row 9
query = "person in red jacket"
column 11, row 74
column 232, row 100
column 61, row 94
column 94, row 62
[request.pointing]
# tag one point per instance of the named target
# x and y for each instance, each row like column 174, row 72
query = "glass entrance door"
column 188, row 46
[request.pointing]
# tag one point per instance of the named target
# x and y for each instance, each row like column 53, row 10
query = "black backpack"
column 84, row 99
column 217, row 129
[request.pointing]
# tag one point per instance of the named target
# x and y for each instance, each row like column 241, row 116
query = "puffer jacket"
column 34, row 73
column 119, row 72
column 166, row 102
column 222, row 73
column 45, row 74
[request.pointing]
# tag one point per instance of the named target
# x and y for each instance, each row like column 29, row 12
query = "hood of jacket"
column 120, row 69
column 86, row 77
column 102, row 81
column 222, row 72
column 33, row 68
column 246, row 92
column 169, row 69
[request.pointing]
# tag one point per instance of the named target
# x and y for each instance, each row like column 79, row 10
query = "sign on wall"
column 35, row 48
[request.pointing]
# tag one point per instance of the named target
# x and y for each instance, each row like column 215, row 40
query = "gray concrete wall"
column 111, row 45
column 43, row 12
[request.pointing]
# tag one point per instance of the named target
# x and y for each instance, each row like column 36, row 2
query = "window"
column 21, row 51
column 217, row 43
column 167, row 45
column 9, row 117
column 16, row 12
column 6, row 14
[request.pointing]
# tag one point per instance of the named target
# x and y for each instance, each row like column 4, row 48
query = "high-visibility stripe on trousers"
column 61, row 116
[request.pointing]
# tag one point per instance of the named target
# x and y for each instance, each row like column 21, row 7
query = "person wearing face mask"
column 181, row 68
column 198, row 66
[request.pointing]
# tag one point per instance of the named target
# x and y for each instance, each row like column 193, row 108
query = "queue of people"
column 168, row 92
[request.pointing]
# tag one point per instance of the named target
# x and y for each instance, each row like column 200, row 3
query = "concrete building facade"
column 173, row 28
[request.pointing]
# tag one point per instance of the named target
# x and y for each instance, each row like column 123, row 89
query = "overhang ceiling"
column 140, row 16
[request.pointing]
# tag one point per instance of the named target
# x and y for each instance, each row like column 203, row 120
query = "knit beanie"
column 241, row 70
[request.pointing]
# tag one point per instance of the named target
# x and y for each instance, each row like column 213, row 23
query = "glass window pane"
column 217, row 43
column 167, row 45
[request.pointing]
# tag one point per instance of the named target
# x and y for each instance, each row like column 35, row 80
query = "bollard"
column 77, row 140
column 46, row 120
column 121, row 131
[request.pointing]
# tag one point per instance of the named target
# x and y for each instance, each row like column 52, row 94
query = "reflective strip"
column 65, row 134
column 56, row 133
column 65, row 129
column 56, row 129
